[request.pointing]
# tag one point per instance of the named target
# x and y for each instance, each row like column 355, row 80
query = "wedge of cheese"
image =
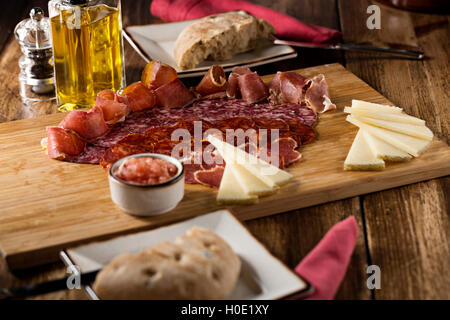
column 386, row 116
column 263, row 170
column 359, row 104
column 413, row 146
column 230, row 191
column 360, row 157
column 421, row 132
column 251, row 184
column 384, row 150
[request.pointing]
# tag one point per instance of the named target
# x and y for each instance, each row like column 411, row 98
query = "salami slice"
column 210, row 110
column 142, row 122
column 169, row 117
column 119, row 151
column 260, row 108
column 116, row 133
column 136, row 122
column 297, row 112
column 303, row 134
column 233, row 108
column 91, row 154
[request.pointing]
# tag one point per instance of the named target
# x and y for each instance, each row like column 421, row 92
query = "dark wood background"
column 405, row 231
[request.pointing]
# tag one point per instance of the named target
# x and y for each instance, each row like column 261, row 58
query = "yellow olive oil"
column 87, row 52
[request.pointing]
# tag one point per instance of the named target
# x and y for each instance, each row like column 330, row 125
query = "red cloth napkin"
column 286, row 26
column 325, row 266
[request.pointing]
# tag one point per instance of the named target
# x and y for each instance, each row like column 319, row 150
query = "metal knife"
column 407, row 51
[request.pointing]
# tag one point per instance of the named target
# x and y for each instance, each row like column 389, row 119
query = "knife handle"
column 45, row 287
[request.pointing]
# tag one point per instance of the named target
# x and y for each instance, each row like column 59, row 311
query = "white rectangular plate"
column 262, row 275
column 156, row 42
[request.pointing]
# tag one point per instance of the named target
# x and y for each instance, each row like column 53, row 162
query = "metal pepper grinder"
column 36, row 75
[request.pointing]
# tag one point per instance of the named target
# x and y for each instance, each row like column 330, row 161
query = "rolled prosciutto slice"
column 173, row 95
column 113, row 110
column 275, row 89
column 138, row 97
column 88, row 125
column 214, row 81
column 252, row 88
column 233, row 86
column 241, row 70
column 63, row 142
column 317, row 96
column 157, row 73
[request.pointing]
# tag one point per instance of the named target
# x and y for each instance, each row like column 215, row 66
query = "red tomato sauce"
column 146, row 171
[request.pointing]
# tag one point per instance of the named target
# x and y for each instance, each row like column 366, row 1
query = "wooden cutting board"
column 48, row 205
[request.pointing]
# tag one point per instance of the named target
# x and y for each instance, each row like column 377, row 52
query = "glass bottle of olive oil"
column 87, row 49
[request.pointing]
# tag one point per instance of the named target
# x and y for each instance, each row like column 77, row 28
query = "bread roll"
column 219, row 37
column 199, row 265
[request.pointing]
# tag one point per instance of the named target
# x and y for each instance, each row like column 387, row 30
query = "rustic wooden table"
column 405, row 231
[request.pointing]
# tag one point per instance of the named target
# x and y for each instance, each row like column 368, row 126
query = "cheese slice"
column 263, row 170
column 359, row 104
column 384, row 150
column 387, row 116
column 230, row 191
column 421, row 132
column 360, row 157
column 250, row 183
column 411, row 145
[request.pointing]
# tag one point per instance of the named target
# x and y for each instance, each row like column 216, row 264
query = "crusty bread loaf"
column 199, row 265
column 219, row 37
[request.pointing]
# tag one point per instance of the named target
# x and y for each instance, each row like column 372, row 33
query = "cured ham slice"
column 157, row 73
column 287, row 87
column 288, row 154
column 113, row 110
column 241, row 70
column 62, row 142
column 292, row 84
column 138, row 97
column 88, row 125
column 252, row 88
column 211, row 177
column 291, row 87
column 189, row 172
column 317, row 95
column 233, row 86
column 212, row 96
column 275, row 89
column 214, row 81
column 173, row 95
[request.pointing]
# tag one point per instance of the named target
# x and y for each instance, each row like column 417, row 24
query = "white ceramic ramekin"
column 147, row 200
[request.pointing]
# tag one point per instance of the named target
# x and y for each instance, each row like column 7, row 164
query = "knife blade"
column 412, row 52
